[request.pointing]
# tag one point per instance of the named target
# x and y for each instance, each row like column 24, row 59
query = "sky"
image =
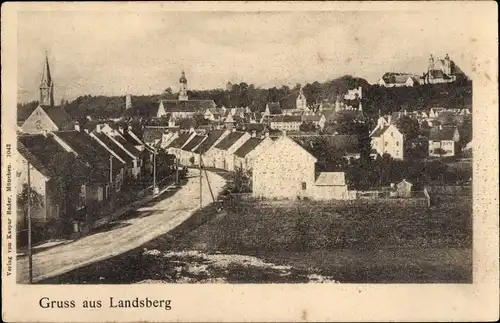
column 119, row 53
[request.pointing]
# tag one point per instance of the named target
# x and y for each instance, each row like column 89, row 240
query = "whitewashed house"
column 443, row 142
column 388, row 140
column 245, row 156
column 221, row 156
column 292, row 175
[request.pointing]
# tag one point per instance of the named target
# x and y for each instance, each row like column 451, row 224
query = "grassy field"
column 349, row 242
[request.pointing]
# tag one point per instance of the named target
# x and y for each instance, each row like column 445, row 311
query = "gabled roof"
column 180, row 141
column 287, row 118
column 33, row 161
column 128, row 146
column 188, row 105
column 43, row 148
column 193, row 143
column 58, row 115
column 330, row 179
column 86, row 146
column 212, row 138
column 380, row 131
column 229, row 140
column 114, row 147
column 132, row 138
column 446, row 133
column 248, row 146
column 314, row 118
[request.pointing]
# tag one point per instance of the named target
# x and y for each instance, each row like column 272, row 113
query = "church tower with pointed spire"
column 183, row 88
column 46, row 85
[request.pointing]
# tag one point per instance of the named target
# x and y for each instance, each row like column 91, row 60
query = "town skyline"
column 134, row 59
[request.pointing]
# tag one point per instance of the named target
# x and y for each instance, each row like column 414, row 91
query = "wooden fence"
column 458, row 190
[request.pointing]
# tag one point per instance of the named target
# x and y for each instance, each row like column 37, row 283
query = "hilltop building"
column 442, row 71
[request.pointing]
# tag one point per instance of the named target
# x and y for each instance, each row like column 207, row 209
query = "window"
column 82, row 197
column 304, row 186
column 397, row 143
column 385, row 144
column 392, row 134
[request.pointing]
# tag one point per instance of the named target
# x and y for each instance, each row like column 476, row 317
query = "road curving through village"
column 131, row 233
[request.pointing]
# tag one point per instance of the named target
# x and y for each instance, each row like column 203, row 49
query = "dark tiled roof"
column 180, row 141
column 58, row 115
column 311, row 118
column 43, row 148
column 128, row 146
column 287, row 119
column 437, row 134
column 193, row 143
column 380, row 131
column 248, row 146
column 229, row 140
column 188, row 105
column 33, row 161
column 85, row 146
column 132, row 139
column 114, row 147
column 213, row 136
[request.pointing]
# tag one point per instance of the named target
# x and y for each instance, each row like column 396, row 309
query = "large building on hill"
column 183, row 107
column 47, row 117
column 442, row 71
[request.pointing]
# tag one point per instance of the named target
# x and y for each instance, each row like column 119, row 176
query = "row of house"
column 441, row 141
column 275, row 174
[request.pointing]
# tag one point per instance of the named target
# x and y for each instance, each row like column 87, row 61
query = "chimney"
column 98, row 128
column 389, row 119
column 284, row 133
column 233, row 129
column 254, row 133
column 77, row 126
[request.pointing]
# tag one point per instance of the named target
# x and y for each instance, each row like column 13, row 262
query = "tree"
column 439, row 151
column 408, row 126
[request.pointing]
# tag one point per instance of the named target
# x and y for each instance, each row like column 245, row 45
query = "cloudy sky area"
column 116, row 53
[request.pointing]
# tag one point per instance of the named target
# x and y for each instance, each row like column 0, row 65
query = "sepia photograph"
column 242, row 147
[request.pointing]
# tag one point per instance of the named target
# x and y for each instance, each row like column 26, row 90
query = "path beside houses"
column 151, row 222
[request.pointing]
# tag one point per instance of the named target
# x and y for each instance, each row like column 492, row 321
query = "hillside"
column 375, row 98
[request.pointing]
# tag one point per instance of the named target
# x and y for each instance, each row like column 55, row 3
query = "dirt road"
column 152, row 221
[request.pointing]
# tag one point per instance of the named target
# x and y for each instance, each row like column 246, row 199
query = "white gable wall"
column 279, row 175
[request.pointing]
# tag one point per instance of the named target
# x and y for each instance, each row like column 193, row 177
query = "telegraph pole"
column 111, row 170
column 154, row 171
column 176, row 170
column 201, row 178
column 30, row 253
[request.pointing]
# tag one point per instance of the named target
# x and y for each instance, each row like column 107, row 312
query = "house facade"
column 388, row 140
column 443, row 142
column 245, row 156
column 279, row 175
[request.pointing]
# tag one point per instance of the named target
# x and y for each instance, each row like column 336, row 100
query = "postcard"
column 239, row 161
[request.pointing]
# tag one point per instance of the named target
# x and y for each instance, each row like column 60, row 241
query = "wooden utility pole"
column 154, row 171
column 208, row 182
column 30, row 253
column 111, row 170
column 176, row 170
column 201, row 178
